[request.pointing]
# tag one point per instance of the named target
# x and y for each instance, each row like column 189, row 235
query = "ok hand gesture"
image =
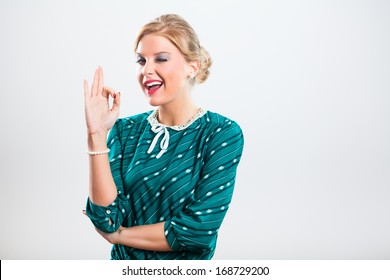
column 99, row 116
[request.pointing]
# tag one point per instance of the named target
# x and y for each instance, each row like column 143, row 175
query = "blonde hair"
column 182, row 35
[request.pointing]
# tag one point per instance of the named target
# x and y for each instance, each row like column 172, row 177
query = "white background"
column 308, row 81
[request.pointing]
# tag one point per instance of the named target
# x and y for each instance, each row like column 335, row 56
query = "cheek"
column 140, row 77
column 174, row 73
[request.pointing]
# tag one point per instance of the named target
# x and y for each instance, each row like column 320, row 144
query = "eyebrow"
column 156, row 53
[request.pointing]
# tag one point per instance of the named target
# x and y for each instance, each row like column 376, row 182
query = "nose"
column 148, row 68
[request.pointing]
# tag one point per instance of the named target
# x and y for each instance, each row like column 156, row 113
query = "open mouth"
column 153, row 85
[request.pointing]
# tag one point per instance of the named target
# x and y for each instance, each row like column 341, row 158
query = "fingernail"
column 114, row 95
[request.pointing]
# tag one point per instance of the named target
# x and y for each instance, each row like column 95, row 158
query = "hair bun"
column 205, row 64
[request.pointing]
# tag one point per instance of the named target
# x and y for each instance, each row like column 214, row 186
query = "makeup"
column 152, row 86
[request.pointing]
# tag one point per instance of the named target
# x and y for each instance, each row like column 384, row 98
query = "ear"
column 194, row 68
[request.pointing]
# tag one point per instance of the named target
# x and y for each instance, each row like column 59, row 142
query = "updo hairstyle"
column 182, row 35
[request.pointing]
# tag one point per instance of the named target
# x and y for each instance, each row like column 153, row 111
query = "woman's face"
column 163, row 71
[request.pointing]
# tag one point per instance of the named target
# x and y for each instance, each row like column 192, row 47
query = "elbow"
column 200, row 243
column 186, row 237
column 195, row 242
column 208, row 244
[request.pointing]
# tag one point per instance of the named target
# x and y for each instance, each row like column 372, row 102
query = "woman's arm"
column 146, row 237
column 100, row 118
column 102, row 190
column 108, row 216
column 196, row 228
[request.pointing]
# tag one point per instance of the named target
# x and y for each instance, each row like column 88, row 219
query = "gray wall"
column 308, row 81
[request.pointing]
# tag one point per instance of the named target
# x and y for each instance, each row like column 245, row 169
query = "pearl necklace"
column 154, row 121
column 162, row 130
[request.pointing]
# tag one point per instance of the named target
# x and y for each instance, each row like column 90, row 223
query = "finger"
column 117, row 102
column 100, row 83
column 95, row 83
column 86, row 90
column 109, row 91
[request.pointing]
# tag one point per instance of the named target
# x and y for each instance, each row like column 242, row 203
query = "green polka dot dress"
column 180, row 175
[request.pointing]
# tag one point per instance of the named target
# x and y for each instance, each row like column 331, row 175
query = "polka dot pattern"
column 188, row 188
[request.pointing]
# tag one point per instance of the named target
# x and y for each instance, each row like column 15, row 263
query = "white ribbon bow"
column 159, row 129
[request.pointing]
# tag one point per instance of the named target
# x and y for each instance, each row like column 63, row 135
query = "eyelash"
column 142, row 61
column 161, row 59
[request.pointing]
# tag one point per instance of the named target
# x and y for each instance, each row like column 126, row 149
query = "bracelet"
column 98, row 153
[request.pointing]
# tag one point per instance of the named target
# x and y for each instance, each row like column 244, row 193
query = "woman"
column 161, row 184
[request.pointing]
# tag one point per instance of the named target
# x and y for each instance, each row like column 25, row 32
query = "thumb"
column 117, row 102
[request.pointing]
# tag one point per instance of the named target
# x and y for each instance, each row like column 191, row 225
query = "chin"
column 155, row 102
column 159, row 99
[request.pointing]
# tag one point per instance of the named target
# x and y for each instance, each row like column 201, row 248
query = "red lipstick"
column 152, row 86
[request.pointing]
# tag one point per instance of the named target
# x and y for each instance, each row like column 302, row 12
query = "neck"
column 177, row 114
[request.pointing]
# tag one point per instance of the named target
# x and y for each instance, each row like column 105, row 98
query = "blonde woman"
column 161, row 181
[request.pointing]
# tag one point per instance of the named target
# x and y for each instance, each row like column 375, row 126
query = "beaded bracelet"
column 98, row 153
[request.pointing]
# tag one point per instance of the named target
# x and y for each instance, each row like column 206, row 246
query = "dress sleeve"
column 196, row 227
column 110, row 218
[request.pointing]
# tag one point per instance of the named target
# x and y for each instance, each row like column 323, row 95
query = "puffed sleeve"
column 196, row 228
column 110, row 218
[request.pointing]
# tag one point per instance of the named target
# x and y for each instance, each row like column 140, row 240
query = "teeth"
column 154, row 84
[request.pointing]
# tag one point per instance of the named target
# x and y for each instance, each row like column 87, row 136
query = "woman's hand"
column 99, row 116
